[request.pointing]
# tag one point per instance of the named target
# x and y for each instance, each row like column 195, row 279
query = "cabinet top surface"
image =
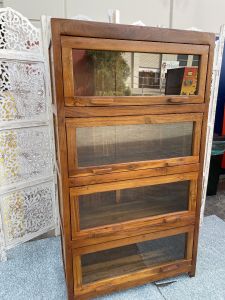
column 129, row 32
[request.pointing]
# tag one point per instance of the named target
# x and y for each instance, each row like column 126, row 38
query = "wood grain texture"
column 189, row 247
column 118, row 232
column 93, row 111
column 202, row 156
column 105, row 101
column 130, row 32
column 86, row 112
column 128, row 240
column 62, row 153
column 68, row 80
column 83, row 190
column 126, row 120
column 149, row 172
column 139, row 46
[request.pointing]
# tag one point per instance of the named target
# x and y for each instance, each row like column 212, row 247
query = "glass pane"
column 115, row 73
column 132, row 258
column 129, row 143
column 129, row 204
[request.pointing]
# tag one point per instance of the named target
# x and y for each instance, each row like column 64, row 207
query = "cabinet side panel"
column 202, row 154
column 62, row 156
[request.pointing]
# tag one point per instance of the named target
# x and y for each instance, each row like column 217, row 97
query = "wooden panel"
column 86, row 112
column 202, row 77
column 202, row 156
column 105, row 101
column 131, row 32
column 127, row 167
column 114, row 176
column 151, row 119
column 77, row 269
column 83, row 190
column 139, row 46
column 62, row 156
column 68, row 80
column 110, row 235
column 143, row 236
column 189, row 245
column 197, row 137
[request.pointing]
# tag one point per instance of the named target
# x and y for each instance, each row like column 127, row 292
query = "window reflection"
column 115, row 73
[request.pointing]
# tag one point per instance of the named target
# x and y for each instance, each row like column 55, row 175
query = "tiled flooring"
column 34, row 271
column 215, row 205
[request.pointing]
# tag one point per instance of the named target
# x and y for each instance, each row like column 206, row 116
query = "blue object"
column 218, row 148
column 220, row 100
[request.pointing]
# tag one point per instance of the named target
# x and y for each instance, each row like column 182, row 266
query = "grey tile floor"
column 215, row 205
column 34, row 271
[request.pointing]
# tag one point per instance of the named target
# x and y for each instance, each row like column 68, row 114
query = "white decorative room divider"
column 218, row 56
column 27, row 180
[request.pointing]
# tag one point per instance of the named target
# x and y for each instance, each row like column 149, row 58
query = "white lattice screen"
column 218, row 56
column 27, row 180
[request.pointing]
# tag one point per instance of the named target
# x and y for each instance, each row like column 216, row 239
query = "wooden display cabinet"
column 130, row 156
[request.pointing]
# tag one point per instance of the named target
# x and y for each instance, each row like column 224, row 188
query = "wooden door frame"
column 141, row 276
column 120, row 230
column 69, row 43
column 73, row 123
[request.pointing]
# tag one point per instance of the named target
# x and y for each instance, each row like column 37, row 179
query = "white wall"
column 203, row 14
column 207, row 15
column 33, row 9
column 151, row 12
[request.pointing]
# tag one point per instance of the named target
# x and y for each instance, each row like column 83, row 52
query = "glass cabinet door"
column 140, row 257
column 117, row 206
column 132, row 258
column 96, row 207
column 106, row 145
column 103, row 72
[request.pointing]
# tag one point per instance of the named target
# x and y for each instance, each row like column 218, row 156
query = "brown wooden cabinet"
column 130, row 112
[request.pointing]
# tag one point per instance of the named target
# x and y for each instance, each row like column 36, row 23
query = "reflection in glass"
column 117, row 206
column 115, row 73
column 131, row 258
column 129, row 143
